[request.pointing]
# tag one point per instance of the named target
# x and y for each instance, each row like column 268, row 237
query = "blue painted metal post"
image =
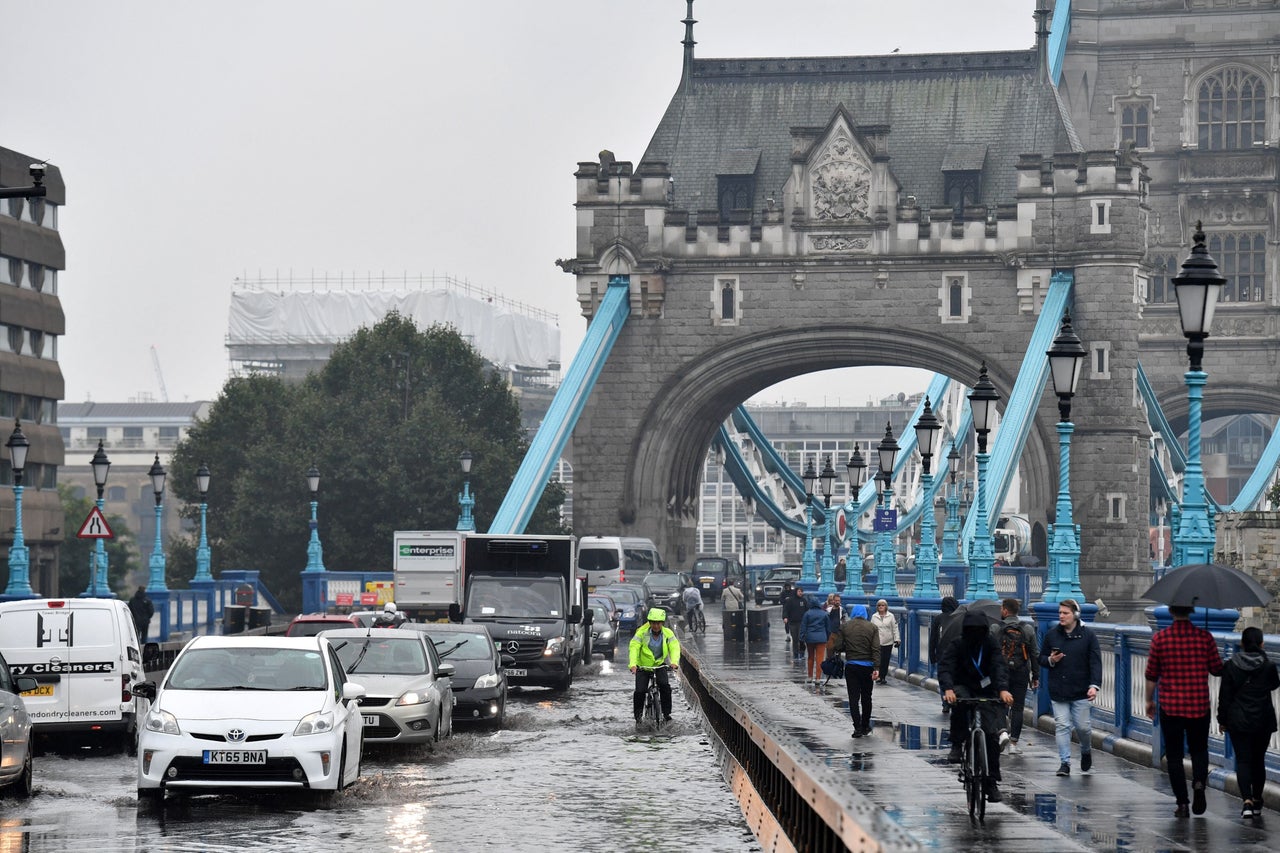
column 886, row 559
column 98, row 586
column 827, row 582
column 19, row 585
column 466, row 521
column 808, row 568
column 155, row 582
column 1064, row 550
column 927, row 553
column 315, row 553
column 202, row 550
column 951, row 525
column 982, row 555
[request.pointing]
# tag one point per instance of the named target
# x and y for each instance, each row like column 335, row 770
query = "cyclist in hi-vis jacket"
column 654, row 645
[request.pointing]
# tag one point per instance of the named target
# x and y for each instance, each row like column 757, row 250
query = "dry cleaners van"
column 84, row 655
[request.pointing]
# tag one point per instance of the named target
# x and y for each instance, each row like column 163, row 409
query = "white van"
column 84, row 655
column 603, row 560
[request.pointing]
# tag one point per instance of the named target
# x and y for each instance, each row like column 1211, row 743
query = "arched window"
column 1135, row 124
column 727, row 299
column 1164, row 268
column 955, row 298
column 1231, row 110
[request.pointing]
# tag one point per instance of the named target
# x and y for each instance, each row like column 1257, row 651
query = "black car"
column 479, row 670
column 666, row 590
column 711, row 574
column 772, row 588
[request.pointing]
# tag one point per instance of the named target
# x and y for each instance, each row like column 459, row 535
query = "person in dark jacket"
column 815, row 631
column 972, row 667
column 949, row 605
column 859, row 642
column 1074, row 659
column 141, row 609
column 793, row 609
column 1247, row 715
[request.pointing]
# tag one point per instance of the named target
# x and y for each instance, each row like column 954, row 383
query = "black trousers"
column 1196, row 732
column 1018, row 687
column 642, row 686
column 858, row 681
column 1251, row 762
column 886, row 652
column 992, row 719
column 797, row 647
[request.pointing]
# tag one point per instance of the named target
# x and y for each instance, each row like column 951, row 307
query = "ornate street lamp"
column 928, row 428
column 315, row 553
column 951, row 525
column 202, row 550
column 982, row 554
column 155, row 583
column 19, row 585
column 1066, row 357
column 887, row 518
column 808, row 572
column 98, row 585
column 857, row 468
column 466, row 522
column 827, row 583
column 1197, row 288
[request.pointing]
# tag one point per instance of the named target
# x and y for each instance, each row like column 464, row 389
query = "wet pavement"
column 901, row 767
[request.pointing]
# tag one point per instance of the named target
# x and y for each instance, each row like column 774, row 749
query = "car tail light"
column 126, row 695
column 55, row 603
column 622, row 575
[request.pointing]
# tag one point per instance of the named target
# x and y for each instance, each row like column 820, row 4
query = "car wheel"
column 500, row 720
column 131, row 741
column 342, row 769
column 150, row 798
column 26, row 782
column 566, row 681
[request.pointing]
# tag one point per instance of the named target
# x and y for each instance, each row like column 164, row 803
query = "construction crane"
column 155, row 361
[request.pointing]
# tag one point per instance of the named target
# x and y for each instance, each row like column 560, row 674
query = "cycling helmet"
column 389, row 607
column 657, row 614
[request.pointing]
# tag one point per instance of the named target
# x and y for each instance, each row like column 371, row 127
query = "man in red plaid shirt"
column 1181, row 660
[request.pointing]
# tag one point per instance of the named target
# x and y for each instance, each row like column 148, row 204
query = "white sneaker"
column 1005, row 740
column 1014, row 749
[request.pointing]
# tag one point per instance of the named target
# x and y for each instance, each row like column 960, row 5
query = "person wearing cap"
column 972, row 667
column 1074, row 659
column 654, row 645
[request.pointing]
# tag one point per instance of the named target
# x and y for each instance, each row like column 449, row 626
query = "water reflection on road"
column 567, row 773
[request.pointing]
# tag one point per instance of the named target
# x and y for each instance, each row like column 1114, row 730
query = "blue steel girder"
column 1059, row 32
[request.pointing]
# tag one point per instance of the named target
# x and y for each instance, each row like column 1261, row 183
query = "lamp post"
column 202, row 550
column 1066, row 357
column 1197, row 288
column 951, row 525
column 315, row 553
column 156, row 582
column 982, row 555
column 466, row 522
column 98, row 585
column 857, row 468
column 927, row 429
column 886, row 518
column 808, row 573
column 19, row 585
column 827, row 582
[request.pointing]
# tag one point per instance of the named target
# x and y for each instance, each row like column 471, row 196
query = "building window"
column 962, row 188
column 168, row 435
column 95, row 433
column 1115, row 507
column 37, row 278
column 955, row 297
column 736, row 192
column 117, row 493
column 1163, row 269
column 132, row 436
column 1135, row 124
column 1100, row 217
column 1231, row 110
column 1242, row 260
column 1100, row 360
column 15, row 271
column 726, row 301
column 16, row 334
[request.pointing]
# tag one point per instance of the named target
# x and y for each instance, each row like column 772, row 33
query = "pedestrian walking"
column 1074, row 660
column 859, row 642
column 887, row 624
column 949, row 605
column 793, row 609
column 814, row 631
column 1248, row 716
column 141, row 609
column 835, row 612
column 1021, row 655
column 732, row 597
column 1181, row 659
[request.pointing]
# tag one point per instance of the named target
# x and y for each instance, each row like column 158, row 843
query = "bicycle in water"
column 975, row 771
column 694, row 620
column 652, row 713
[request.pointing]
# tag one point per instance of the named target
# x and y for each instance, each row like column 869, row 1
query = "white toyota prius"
column 250, row 712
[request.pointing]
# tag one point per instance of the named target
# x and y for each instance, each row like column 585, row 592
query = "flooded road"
column 569, row 772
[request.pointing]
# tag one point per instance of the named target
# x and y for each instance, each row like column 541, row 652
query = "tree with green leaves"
column 75, row 554
column 384, row 421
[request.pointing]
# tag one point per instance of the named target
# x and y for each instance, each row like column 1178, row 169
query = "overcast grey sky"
column 201, row 141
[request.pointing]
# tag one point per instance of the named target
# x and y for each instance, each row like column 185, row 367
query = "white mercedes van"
column 84, row 655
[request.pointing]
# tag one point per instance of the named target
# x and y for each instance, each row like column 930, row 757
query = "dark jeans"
column 797, row 647
column 858, row 681
column 885, row 653
column 1196, row 732
column 1251, row 762
column 992, row 718
column 642, row 685
column 1018, row 687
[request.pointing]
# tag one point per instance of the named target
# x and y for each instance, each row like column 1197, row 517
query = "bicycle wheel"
column 978, row 795
column 699, row 621
column 653, row 705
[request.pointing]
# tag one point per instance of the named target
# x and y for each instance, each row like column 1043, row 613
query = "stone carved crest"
column 1234, row 210
column 840, row 181
column 839, row 243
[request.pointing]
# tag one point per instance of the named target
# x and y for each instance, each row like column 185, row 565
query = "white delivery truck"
column 427, row 572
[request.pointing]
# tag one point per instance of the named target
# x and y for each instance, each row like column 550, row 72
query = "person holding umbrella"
column 1246, row 714
column 1181, row 659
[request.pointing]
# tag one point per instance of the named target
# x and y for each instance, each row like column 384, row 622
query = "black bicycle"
column 694, row 621
column 974, row 768
column 653, row 697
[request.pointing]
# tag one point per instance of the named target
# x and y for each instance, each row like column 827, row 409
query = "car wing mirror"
column 26, row 684
column 351, row 690
column 445, row 671
column 145, row 689
column 508, row 660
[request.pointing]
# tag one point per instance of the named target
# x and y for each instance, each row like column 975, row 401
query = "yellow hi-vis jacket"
column 642, row 655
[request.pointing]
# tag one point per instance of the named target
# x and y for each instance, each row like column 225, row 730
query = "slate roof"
column 988, row 101
column 79, row 413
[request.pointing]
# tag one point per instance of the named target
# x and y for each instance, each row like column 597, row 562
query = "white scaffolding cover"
column 502, row 334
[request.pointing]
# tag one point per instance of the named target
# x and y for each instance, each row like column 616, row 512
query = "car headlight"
column 628, row 612
column 315, row 723
column 487, row 680
column 759, row 589
column 162, row 722
column 554, row 646
column 606, row 635
column 413, row 697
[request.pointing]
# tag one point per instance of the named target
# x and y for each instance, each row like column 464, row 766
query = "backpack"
column 1013, row 645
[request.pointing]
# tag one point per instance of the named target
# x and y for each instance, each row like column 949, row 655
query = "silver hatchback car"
column 408, row 690
column 15, row 733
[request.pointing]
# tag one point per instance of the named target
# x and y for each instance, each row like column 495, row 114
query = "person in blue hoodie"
column 815, row 630
column 859, row 641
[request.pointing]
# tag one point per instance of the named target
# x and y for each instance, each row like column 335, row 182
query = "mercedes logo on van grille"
column 513, row 647
column 235, row 735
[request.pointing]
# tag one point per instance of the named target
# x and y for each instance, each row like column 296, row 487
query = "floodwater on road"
column 568, row 772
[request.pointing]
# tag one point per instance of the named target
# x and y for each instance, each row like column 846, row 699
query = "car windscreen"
column 526, row 598
column 625, row 596
column 601, row 615
column 715, row 566
column 597, row 559
column 247, row 668
column 663, row 582
column 380, row 655
column 457, row 646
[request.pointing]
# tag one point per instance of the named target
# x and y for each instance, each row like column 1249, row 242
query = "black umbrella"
column 953, row 623
column 1208, row 585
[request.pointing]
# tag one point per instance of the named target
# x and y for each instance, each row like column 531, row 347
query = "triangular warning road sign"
column 95, row 526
